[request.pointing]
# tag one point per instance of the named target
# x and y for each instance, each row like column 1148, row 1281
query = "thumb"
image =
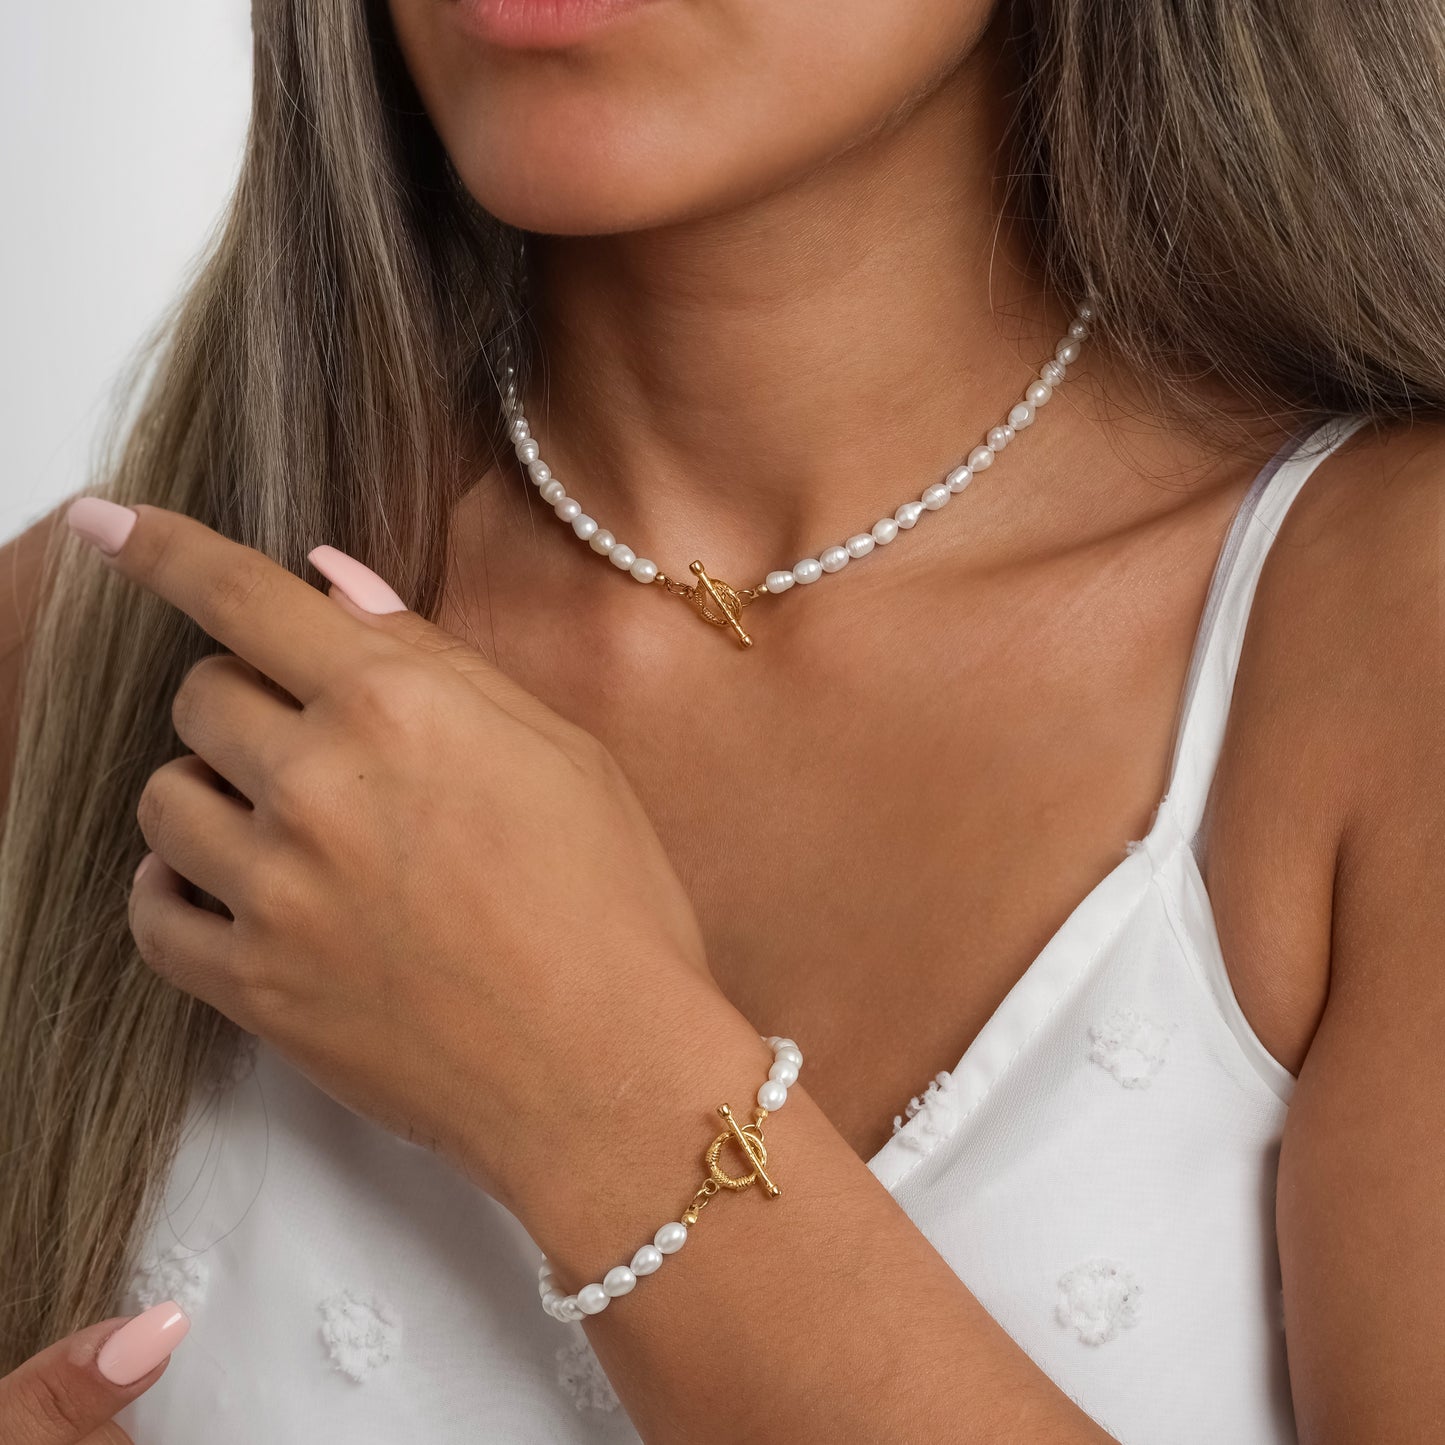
column 78, row 1384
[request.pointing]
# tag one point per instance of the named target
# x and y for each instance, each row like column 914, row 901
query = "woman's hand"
column 448, row 907
column 71, row 1391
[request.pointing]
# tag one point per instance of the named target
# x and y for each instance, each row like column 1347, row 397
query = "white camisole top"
column 1099, row 1170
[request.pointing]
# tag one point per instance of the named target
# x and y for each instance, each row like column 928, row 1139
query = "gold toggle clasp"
column 713, row 600
column 749, row 1138
column 718, row 603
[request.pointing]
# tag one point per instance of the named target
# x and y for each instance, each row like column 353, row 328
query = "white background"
column 122, row 123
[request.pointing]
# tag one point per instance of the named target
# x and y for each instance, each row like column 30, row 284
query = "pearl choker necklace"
column 722, row 605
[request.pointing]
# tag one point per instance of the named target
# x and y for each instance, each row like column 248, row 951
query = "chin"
column 570, row 168
column 674, row 112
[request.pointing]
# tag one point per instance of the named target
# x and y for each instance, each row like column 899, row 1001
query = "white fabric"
column 1099, row 1169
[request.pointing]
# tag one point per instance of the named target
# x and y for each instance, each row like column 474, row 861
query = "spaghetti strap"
column 1209, row 685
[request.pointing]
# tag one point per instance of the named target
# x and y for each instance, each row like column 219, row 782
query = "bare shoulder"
column 1336, row 708
column 1362, row 1163
column 1351, row 613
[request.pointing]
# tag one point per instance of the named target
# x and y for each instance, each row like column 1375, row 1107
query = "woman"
column 476, row 885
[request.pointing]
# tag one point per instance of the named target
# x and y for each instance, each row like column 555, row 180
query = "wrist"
column 630, row 1157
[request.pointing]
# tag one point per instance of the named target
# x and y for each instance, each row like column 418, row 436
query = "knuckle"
column 153, row 808
column 392, row 693
column 152, row 943
column 293, row 786
column 190, row 694
column 588, row 753
column 234, row 590
column 272, row 898
column 48, row 1404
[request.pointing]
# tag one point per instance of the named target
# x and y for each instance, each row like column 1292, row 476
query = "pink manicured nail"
column 103, row 524
column 142, row 866
column 356, row 580
column 139, row 1345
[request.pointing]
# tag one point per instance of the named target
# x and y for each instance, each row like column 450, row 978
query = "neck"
column 755, row 384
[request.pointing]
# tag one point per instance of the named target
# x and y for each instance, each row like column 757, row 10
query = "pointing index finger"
column 247, row 601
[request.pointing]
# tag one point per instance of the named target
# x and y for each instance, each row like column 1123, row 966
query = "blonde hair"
column 1247, row 190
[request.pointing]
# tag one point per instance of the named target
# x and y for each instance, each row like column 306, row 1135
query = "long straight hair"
column 1248, row 190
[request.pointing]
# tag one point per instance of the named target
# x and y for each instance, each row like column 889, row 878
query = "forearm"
column 821, row 1314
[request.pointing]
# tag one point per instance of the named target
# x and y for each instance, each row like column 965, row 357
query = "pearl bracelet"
column 621, row 1279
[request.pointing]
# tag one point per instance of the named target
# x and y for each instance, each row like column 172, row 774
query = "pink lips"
column 539, row 24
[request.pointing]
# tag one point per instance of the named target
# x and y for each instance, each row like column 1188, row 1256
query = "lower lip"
column 540, row 24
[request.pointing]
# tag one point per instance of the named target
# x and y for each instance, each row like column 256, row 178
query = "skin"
column 768, row 236
column 60, row 1397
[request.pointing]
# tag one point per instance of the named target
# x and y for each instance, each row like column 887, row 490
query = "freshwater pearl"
column 592, row 1299
column 622, row 1279
column 670, row 1238
column 618, row 1281
column 831, row 559
column 647, row 1260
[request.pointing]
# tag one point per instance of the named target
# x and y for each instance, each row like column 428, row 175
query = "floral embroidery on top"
column 177, row 1273
column 360, row 1332
column 1130, row 1046
column 580, row 1373
column 1097, row 1298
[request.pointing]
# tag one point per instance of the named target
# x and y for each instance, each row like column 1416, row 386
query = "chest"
column 886, row 808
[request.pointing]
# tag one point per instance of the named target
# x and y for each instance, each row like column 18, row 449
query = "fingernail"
column 139, row 1345
column 103, row 524
column 356, row 580
column 141, row 868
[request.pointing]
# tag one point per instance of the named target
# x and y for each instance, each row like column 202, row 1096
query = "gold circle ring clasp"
column 754, row 1147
